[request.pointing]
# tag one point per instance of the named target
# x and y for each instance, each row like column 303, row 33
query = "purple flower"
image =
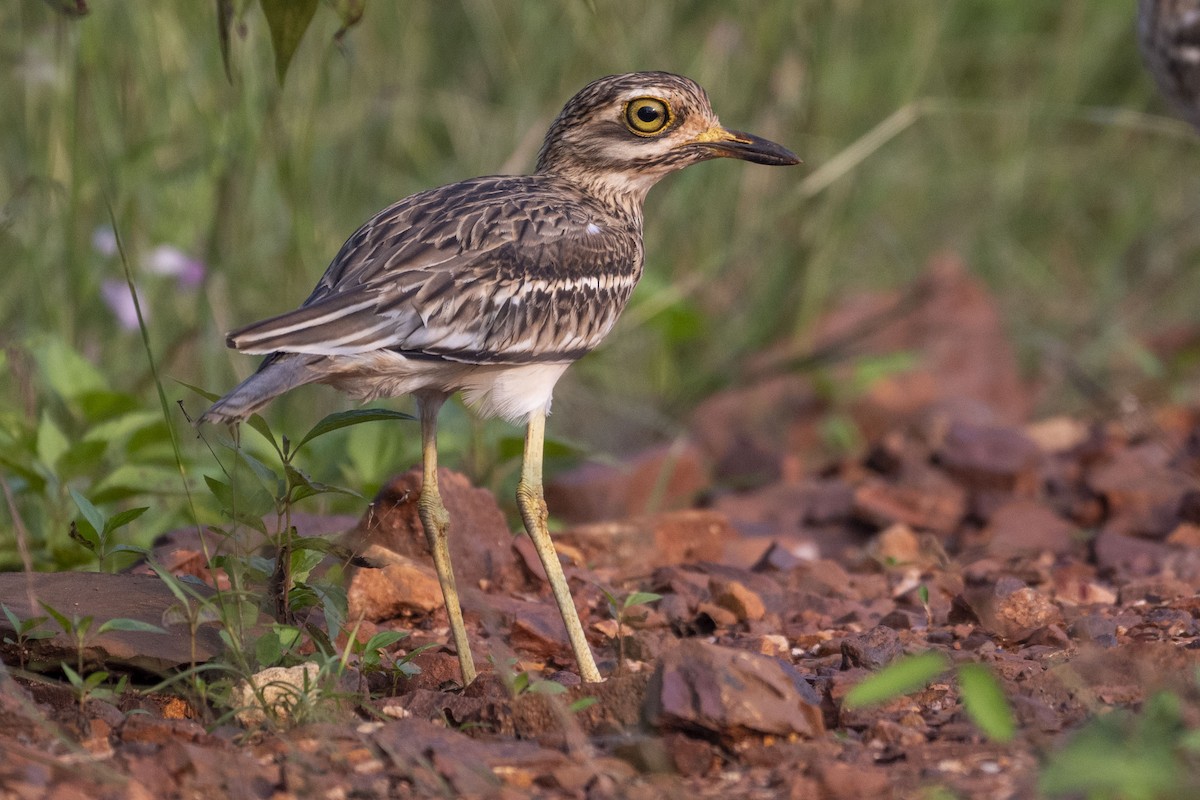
column 171, row 261
column 104, row 241
column 116, row 296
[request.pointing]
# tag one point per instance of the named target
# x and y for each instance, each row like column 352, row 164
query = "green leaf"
column 547, row 687
column 985, row 702
column 211, row 397
column 122, row 425
column 303, row 486
column 898, row 678
column 267, row 650
column 67, row 625
column 69, row 374
column 640, row 599
column 288, row 20
column 260, row 426
column 142, row 478
column 72, row 675
column 126, row 624
column 344, row 419
column 583, row 704
column 81, row 460
column 94, row 679
column 13, row 619
column 383, row 640
column 89, row 511
column 247, row 499
column 100, row 406
column 123, row 518
column 51, row 441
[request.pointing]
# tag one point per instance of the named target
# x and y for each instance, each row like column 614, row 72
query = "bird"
column 492, row 287
column 1169, row 37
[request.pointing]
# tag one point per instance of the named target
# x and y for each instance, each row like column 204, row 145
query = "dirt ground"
column 1059, row 552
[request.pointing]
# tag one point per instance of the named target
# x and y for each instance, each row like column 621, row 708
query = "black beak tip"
column 758, row 150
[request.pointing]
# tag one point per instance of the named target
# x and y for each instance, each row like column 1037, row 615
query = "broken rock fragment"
column 705, row 688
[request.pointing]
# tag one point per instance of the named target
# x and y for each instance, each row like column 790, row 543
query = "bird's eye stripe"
column 648, row 116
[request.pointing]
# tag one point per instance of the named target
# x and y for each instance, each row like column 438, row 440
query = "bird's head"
column 622, row 133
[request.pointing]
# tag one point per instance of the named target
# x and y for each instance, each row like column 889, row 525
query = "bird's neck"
column 618, row 193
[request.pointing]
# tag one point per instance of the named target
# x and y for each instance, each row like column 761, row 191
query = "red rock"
column 735, row 597
column 1025, row 527
column 397, row 590
column 876, row 648
column 103, row 597
column 1010, row 609
column 664, row 478
column 701, row 686
column 990, row 458
column 964, row 364
column 1142, row 489
column 938, row 509
column 1121, row 554
column 674, row 537
column 747, row 433
column 480, row 541
column 899, row 546
column 852, row 782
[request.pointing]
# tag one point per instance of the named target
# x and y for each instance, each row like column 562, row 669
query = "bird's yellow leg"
column 436, row 521
column 531, row 501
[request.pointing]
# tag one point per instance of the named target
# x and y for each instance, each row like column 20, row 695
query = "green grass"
column 1026, row 137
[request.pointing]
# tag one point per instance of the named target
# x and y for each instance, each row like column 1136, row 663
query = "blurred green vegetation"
column 1025, row 136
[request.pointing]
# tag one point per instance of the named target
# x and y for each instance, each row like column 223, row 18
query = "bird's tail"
column 279, row 373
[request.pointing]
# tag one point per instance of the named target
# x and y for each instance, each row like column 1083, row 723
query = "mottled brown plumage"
column 1169, row 36
column 493, row 286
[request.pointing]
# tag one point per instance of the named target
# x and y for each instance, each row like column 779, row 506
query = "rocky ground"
column 1061, row 553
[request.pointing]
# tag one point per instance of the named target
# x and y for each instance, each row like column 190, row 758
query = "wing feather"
column 489, row 271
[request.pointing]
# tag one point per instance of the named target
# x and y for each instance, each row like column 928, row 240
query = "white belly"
column 511, row 392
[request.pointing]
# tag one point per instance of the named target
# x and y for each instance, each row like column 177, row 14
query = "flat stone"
column 469, row 766
column 105, row 597
column 707, row 688
column 990, row 457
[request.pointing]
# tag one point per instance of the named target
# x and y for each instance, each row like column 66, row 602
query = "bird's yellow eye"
column 647, row 116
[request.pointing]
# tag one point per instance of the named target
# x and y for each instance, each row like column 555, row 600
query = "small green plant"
column 79, row 629
column 90, row 448
column 1146, row 755
column 251, row 491
column 982, row 697
column 619, row 610
column 24, row 632
column 374, row 658
column 95, row 531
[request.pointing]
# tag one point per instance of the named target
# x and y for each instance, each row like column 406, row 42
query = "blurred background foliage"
column 1025, row 136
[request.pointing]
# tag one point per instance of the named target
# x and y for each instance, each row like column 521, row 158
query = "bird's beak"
column 746, row 146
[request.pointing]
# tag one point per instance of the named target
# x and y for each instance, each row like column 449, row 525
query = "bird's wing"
column 491, row 271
